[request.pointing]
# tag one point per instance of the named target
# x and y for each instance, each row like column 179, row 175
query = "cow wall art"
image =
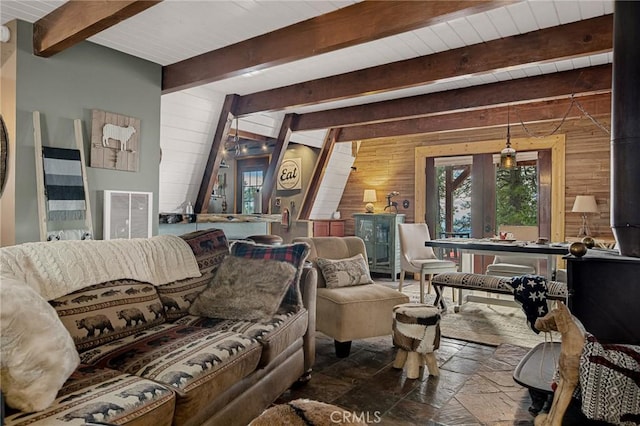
column 115, row 141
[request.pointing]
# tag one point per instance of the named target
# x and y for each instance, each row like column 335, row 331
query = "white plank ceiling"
column 175, row 30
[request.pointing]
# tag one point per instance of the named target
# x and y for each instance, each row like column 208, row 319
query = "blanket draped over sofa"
column 123, row 307
column 61, row 267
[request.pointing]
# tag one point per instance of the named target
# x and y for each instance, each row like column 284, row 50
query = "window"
column 251, row 185
column 250, row 177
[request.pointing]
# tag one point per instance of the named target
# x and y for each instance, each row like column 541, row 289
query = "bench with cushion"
column 492, row 284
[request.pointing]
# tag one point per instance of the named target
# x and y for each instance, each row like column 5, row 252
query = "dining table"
column 468, row 247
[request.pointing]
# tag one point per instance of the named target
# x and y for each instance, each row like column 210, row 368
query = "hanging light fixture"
column 236, row 138
column 508, row 154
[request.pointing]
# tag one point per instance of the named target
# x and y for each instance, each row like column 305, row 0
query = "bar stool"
column 416, row 333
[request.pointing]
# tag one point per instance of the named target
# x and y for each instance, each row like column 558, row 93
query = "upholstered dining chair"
column 513, row 265
column 415, row 257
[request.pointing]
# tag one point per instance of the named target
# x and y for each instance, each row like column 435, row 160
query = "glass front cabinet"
column 380, row 234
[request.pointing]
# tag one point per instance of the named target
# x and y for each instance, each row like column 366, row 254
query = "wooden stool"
column 416, row 333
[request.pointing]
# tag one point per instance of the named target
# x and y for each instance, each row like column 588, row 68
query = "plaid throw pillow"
column 295, row 254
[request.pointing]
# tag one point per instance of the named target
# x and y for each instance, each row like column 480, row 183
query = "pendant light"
column 508, row 154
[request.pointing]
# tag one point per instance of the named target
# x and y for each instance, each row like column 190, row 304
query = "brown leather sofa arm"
column 308, row 288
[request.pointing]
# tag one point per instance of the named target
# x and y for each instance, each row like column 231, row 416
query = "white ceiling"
column 174, row 30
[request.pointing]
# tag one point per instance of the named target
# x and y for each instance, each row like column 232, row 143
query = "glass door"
column 382, row 251
column 470, row 196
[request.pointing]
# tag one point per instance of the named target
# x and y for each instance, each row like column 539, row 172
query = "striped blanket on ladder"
column 63, row 182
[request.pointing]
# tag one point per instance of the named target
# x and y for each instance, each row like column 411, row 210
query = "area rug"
column 480, row 322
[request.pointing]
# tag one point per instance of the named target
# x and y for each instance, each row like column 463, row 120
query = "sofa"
column 356, row 309
column 142, row 357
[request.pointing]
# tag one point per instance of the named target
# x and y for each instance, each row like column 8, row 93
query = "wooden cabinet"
column 328, row 228
column 380, row 234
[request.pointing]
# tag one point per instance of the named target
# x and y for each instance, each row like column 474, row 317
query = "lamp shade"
column 585, row 204
column 370, row 196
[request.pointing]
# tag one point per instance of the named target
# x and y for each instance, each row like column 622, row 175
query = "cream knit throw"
column 54, row 269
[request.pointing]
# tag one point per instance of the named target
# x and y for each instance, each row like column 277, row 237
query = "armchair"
column 355, row 312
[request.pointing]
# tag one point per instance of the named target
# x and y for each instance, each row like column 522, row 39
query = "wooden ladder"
column 40, row 185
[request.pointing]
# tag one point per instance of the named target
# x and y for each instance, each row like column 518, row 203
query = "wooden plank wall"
column 388, row 165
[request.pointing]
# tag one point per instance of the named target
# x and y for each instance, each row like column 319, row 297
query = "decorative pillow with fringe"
column 345, row 272
column 294, row 254
column 245, row 289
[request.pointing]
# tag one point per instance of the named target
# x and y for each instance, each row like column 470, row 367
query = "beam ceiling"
column 581, row 81
column 77, row 20
column 585, row 37
column 549, row 110
column 349, row 26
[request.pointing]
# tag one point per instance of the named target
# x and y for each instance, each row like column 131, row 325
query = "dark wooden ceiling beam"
column 356, row 24
column 215, row 154
column 548, row 86
column 77, row 20
column 565, row 41
column 282, row 142
column 544, row 111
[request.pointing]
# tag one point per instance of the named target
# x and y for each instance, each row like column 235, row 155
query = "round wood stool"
column 416, row 333
column 272, row 240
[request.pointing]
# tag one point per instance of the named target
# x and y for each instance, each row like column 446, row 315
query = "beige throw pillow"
column 244, row 289
column 344, row 272
column 37, row 354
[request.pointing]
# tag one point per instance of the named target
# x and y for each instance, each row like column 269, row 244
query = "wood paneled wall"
column 388, row 165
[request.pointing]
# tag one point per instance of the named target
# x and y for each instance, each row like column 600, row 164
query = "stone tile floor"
column 475, row 386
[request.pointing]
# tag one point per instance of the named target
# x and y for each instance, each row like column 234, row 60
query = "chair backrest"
column 412, row 238
column 521, row 232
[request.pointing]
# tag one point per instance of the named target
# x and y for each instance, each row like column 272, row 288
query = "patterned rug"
column 479, row 322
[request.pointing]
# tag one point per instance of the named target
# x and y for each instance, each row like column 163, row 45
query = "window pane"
column 251, row 183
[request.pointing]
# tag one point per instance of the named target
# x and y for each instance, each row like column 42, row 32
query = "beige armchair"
column 415, row 257
column 350, row 313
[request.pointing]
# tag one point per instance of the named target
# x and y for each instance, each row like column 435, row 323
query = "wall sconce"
column 508, row 154
column 369, row 198
column 585, row 204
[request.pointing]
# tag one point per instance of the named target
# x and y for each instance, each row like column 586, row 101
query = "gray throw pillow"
column 244, row 289
column 344, row 272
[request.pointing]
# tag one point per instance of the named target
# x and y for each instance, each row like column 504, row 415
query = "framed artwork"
column 115, row 141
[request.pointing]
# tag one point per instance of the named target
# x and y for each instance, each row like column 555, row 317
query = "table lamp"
column 585, row 204
column 369, row 198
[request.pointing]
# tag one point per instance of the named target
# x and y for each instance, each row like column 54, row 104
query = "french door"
column 471, row 196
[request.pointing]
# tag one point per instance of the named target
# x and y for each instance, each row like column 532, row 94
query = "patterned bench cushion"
column 493, row 284
column 210, row 247
column 110, row 311
column 199, row 363
column 100, row 395
column 275, row 335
